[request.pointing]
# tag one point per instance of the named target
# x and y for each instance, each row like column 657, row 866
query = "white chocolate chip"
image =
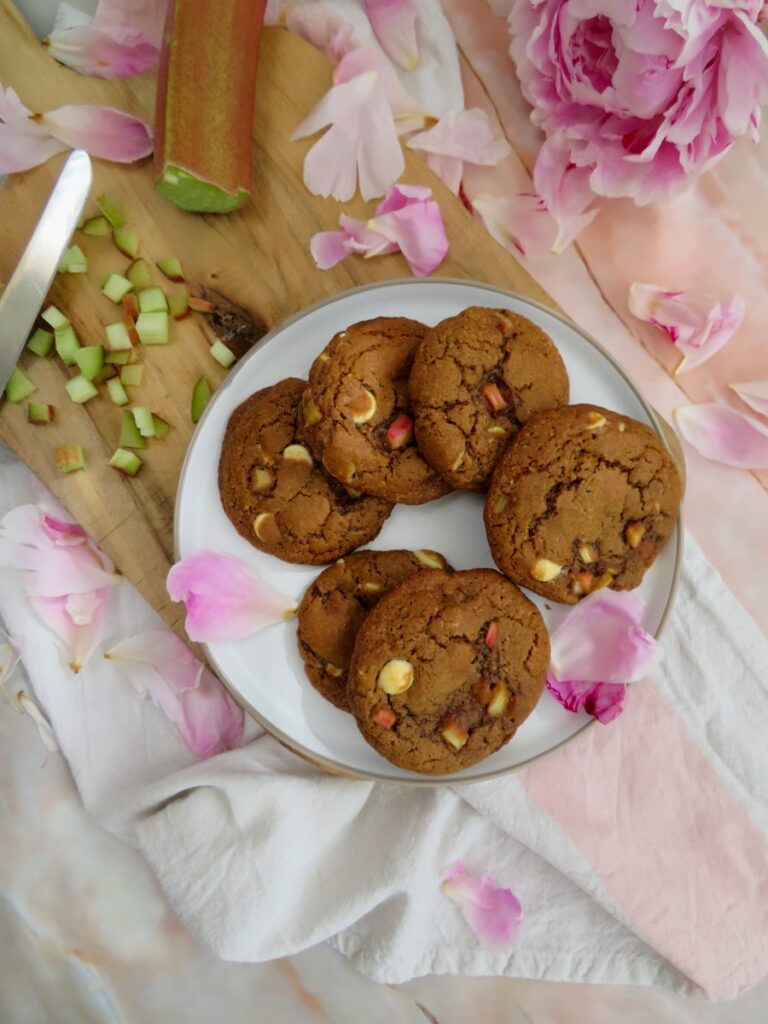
column 457, row 462
column 365, row 409
column 429, row 558
column 544, row 571
column 396, row 676
column 265, row 527
column 587, row 554
column 297, row 453
column 497, row 430
column 634, row 533
column 262, row 479
column 333, row 670
column 499, row 700
column 369, row 587
column 595, row 420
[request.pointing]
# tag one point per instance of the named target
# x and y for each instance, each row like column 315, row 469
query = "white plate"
column 264, row 672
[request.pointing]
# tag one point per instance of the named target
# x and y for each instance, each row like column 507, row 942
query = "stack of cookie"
column 439, row 667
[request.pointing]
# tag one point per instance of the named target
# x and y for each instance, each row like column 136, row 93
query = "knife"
column 25, row 293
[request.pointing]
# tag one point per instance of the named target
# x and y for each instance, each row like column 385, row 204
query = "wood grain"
column 259, row 257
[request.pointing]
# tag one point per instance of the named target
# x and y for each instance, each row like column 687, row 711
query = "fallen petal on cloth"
column 106, row 51
column 604, row 701
column 755, row 394
column 406, row 220
column 394, row 24
column 224, row 599
column 697, row 324
column 409, row 114
column 724, row 435
column 159, row 664
column 566, row 192
column 28, row 139
column 601, row 639
column 47, row 734
column 521, row 223
column 494, row 914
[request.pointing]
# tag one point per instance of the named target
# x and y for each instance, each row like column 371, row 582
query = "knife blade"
column 25, row 293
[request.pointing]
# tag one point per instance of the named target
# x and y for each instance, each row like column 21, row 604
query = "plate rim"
column 328, row 764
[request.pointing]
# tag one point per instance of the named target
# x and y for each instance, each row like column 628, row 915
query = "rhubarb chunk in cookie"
column 356, row 414
column 275, row 493
column 583, row 498
column 445, row 668
column 476, row 378
column 335, row 605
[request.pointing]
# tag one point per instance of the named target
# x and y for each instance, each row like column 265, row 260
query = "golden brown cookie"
column 356, row 414
column 582, row 498
column 276, row 495
column 335, row 605
column 445, row 668
column 475, row 379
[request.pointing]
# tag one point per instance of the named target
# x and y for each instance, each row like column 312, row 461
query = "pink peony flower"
column 643, row 95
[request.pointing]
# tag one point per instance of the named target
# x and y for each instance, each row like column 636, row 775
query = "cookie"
column 335, row 605
column 476, row 378
column 583, row 498
column 445, row 668
column 275, row 494
column 356, row 413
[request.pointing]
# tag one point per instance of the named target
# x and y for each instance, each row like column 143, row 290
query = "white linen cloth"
column 262, row 855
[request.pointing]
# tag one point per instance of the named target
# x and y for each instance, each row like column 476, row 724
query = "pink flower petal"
column 448, row 169
column 566, row 191
column 409, row 114
column 400, row 196
column 466, row 135
column 494, row 914
column 602, row 639
column 101, row 131
column 109, row 51
column 78, row 638
column 9, row 657
column 62, row 532
column 322, row 25
column 224, row 599
column 521, row 223
column 159, row 664
column 329, row 248
column 604, row 701
column 361, row 141
column 145, row 16
column 394, row 24
column 419, row 233
column 755, row 394
column 19, row 151
column 47, row 734
column 725, row 435
column 697, row 324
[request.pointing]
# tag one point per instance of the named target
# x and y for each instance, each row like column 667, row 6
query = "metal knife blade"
column 25, row 293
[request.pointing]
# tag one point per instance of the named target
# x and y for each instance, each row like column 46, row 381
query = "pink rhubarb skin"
column 716, row 232
column 205, row 102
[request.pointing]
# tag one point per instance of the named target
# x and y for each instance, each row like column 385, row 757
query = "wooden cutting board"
column 258, row 258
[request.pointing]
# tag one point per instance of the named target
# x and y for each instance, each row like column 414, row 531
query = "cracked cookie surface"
column 446, row 667
column 276, row 495
column 356, row 414
column 582, row 498
column 335, row 604
column 476, row 378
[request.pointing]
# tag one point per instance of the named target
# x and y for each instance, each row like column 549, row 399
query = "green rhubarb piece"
column 19, row 386
column 41, row 342
column 110, row 211
column 107, row 372
column 138, row 274
column 131, row 375
column 126, row 462
column 90, row 359
column 201, row 396
column 116, row 286
column 118, row 338
column 223, row 355
column 152, row 328
column 172, row 269
column 117, row 392
column 54, row 318
column 96, row 226
column 179, row 304
column 130, row 435
column 38, row 412
column 126, row 242
column 143, row 417
column 80, row 390
column 152, row 300
column 117, row 358
column 67, row 343
column 161, row 427
column 191, row 193
column 69, row 458
column 73, row 261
